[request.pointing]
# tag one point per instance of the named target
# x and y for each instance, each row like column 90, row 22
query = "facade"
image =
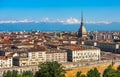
column 31, row 57
column 100, row 35
column 57, row 55
column 108, row 46
column 5, row 62
column 35, row 57
column 88, row 42
column 103, row 45
column 83, row 53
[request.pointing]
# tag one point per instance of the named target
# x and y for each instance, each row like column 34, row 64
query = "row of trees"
column 108, row 72
column 14, row 73
column 92, row 73
column 54, row 69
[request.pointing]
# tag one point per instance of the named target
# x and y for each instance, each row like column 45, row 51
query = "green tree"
column 27, row 74
column 14, row 73
column 4, row 74
column 78, row 74
column 118, row 71
column 93, row 73
column 50, row 69
column 9, row 73
column 19, row 75
column 109, row 72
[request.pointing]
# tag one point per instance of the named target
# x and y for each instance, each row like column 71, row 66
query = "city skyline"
column 94, row 11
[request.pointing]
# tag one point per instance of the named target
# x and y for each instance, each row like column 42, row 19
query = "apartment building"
column 5, row 62
column 56, row 55
column 108, row 46
column 77, row 53
column 35, row 56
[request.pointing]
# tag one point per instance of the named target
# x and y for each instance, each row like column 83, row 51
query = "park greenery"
column 54, row 69
column 14, row 73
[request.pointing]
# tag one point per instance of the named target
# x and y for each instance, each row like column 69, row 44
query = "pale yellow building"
column 5, row 62
column 78, row 53
column 56, row 55
column 36, row 56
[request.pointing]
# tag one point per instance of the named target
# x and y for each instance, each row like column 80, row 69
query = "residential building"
column 56, row 55
column 108, row 46
column 77, row 53
column 6, row 61
column 35, row 56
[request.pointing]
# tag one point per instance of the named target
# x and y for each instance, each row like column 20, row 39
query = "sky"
column 93, row 10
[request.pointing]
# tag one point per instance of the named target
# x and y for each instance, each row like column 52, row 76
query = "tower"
column 82, row 30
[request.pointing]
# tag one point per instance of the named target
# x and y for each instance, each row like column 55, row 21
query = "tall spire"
column 82, row 31
column 82, row 19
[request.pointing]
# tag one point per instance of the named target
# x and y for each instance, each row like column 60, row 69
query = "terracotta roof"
column 76, row 47
column 3, row 57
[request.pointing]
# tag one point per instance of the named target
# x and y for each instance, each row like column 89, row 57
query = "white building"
column 78, row 53
column 5, row 62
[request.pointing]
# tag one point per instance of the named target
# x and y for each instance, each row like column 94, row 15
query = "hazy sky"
column 94, row 10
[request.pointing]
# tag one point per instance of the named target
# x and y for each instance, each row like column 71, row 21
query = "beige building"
column 108, row 46
column 78, row 53
column 103, row 45
column 30, row 57
column 5, row 62
column 56, row 55
column 36, row 56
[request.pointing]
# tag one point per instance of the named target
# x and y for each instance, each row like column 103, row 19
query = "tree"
column 4, row 74
column 27, row 74
column 117, row 73
column 78, row 74
column 14, row 73
column 109, row 72
column 93, row 73
column 50, row 69
column 96, row 72
column 9, row 73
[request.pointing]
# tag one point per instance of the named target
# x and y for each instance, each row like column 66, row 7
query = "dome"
column 83, row 30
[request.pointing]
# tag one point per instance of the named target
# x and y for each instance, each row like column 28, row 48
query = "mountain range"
column 58, row 26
